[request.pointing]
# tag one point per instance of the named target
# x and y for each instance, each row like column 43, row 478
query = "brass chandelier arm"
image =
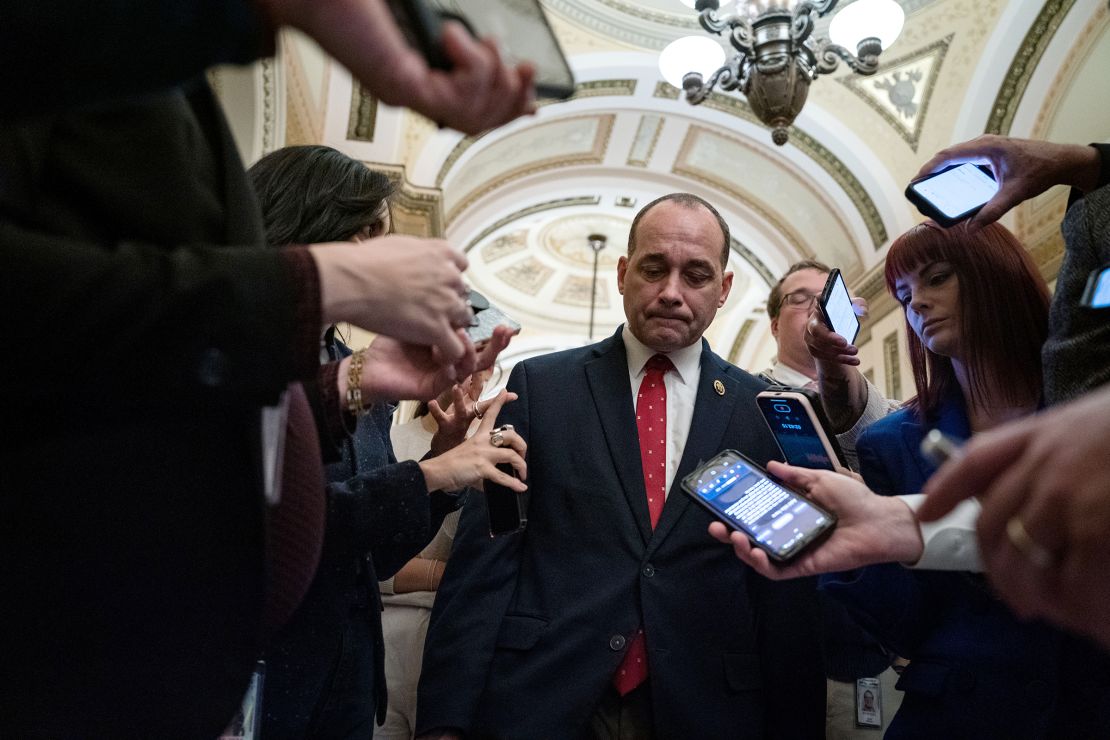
column 829, row 54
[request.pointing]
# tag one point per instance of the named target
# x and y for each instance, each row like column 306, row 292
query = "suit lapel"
column 712, row 412
column 607, row 376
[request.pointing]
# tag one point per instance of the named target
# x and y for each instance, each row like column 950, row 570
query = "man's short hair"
column 774, row 301
column 689, row 200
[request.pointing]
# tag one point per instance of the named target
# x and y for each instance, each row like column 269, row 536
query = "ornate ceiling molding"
column 594, row 154
column 591, row 89
column 899, row 79
column 647, row 136
column 1024, row 64
column 738, row 342
column 583, row 200
column 364, row 114
column 812, row 148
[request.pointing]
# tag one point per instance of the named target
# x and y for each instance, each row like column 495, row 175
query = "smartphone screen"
column 485, row 321
column 505, row 508
column 793, row 429
column 837, row 306
column 957, row 192
column 1097, row 294
column 745, row 498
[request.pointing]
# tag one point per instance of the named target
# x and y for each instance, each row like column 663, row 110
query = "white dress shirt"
column 682, row 391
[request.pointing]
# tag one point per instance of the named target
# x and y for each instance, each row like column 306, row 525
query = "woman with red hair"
column 976, row 312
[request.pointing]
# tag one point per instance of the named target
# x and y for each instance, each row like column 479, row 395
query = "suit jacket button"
column 648, row 571
column 616, row 642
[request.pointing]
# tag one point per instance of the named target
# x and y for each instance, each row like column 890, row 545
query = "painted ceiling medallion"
column 900, row 91
column 566, row 239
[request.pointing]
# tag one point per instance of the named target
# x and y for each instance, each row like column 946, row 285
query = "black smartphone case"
column 928, row 209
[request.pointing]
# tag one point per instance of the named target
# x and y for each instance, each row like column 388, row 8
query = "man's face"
column 673, row 283
column 790, row 327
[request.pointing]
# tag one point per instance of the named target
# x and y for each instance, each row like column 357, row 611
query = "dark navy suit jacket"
column 976, row 670
column 529, row 628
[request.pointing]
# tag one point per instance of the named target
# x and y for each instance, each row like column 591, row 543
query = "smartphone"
column 836, row 307
column 798, row 422
column 954, row 193
column 938, row 448
column 519, row 26
column 746, row 498
column 487, row 317
column 1097, row 293
column 507, row 509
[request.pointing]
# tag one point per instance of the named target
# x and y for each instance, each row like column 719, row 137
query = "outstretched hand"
column 478, row 93
column 870, row 528
column 394, row 370
column 1024, row 169
column 407, row 288
column 477, row 458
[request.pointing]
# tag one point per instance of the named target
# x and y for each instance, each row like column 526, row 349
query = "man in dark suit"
column 613, row 614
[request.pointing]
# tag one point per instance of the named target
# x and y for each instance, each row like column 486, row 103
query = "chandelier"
column 776, row 56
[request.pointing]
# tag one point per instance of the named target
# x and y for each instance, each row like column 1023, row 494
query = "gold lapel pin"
column 719, row 387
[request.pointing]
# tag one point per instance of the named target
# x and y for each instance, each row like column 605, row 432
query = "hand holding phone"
column 487, row 317
column 954, row 193
column 519, row 27
column 747, row 499
column 837, row 309
column 799, row 425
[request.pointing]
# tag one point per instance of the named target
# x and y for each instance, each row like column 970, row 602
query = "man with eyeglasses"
column 799, row 332
column 851, row 656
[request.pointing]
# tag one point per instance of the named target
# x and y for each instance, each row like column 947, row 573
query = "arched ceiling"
column 520, row 200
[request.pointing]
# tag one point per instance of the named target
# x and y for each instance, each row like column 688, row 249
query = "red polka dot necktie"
column 651, row 424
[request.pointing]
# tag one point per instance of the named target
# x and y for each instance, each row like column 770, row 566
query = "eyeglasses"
column 798, row 299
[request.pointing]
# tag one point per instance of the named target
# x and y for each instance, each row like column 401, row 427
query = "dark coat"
column 528, row 629
column 139, row 347
column 975, row 669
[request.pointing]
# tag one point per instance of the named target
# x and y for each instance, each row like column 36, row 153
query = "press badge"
column 869, row 703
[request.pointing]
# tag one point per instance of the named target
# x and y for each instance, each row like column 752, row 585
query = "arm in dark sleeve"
column 472, row 600
column 146, row 323
column 389, row 513
column 1103, row 174
column 59, row 54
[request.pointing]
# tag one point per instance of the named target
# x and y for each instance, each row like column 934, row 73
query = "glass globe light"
column 881, row 19
column 690, row 54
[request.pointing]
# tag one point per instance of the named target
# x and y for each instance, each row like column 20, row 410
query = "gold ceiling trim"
column 416, row 211
column 591, row 89
column 855, row 84
column 582, row 200
column 642, row 161
column 681, row 167
column 809, row 146
column 1024, row 64
column 738, row 342
column 364, row 114
column 750, row 257
column 1073, row 63
column 596, row 155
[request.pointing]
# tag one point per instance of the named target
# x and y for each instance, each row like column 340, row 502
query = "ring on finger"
column 497, row 436
column 1019, row 537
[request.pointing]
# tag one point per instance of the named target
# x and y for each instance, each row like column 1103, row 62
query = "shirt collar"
column 787, row 375
column 686, row 360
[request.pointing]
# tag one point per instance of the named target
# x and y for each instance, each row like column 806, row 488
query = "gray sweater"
column 1077, row 354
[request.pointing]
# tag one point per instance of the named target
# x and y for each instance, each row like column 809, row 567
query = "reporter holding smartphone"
column 325, row 668
column 976, row 310
column 849, row 653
